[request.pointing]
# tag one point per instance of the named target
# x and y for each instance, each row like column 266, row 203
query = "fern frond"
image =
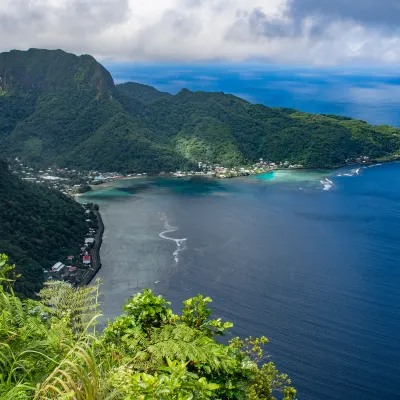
column 80, row 304
column 190, row 345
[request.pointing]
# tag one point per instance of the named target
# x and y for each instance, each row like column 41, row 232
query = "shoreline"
column 96, row 261
column 107, row 184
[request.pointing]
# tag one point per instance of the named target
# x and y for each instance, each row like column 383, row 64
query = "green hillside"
column 60, row 108
column 38, row 227
column 143, row 93
column 64, row 109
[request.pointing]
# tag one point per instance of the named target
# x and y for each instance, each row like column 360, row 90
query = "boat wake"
column 180, row 243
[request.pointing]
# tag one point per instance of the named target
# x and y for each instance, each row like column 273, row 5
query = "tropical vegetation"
column 39, row 227
column 52, row 348
column 64, row 109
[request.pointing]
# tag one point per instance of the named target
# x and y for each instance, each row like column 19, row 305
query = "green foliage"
column 266, row 378
column 39, row 227
column 196, row 315
column 172, row 382
column 7, row 274
column 60, row 108
column 144, row 93
column 78, row 305
column 47, row 352
column 148, row 311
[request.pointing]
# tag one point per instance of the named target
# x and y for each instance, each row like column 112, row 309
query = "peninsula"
column 61, row 109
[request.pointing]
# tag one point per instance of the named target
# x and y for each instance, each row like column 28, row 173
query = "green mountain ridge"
column 58, row 108
column 39, row 226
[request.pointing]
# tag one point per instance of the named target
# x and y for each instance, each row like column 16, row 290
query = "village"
column 74, row 182
column 80, row 268
column 223, row 172
column 68, row 181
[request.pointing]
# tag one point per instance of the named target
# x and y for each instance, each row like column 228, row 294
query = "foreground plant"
column 50, row 349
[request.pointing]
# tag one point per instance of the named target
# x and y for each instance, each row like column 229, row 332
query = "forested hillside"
column 60, row 108
column 38, row 227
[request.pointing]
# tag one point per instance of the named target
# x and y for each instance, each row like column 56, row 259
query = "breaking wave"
column 355, row 171
column 327, row 184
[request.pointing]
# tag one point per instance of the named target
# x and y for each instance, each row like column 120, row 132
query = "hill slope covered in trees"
column 39, row 226
column 64, row 109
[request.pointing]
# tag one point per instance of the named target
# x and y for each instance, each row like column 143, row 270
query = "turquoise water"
column 308, row 258
column 289, row 176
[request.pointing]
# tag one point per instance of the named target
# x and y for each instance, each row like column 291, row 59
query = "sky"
column 293, row 32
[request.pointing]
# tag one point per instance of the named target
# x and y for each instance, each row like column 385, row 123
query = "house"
column 57, row 267
column 89, row 241
column 86, row 259
column 57, row 270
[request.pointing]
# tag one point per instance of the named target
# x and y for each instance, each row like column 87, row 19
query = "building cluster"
column 75, row 267
column 220, row 171
column 72, row 182
column 68, row 181
column 358, row 160
column 96, row 177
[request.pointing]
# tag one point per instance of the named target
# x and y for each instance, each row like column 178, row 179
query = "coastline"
column 375, row 161
column 96, row 261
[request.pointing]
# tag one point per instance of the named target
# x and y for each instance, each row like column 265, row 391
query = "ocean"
column 309, row 259
column 372, row 95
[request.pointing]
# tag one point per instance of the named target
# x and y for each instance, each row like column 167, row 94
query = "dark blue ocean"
column 311, row 259
column 372, row 95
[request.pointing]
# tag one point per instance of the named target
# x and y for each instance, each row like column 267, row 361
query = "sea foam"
column 328, row 184
column 180, row 243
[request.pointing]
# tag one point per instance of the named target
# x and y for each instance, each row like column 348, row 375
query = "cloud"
column 382, row 14
column 323, row 32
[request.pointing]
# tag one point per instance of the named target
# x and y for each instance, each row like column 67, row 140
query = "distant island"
column 61, row 109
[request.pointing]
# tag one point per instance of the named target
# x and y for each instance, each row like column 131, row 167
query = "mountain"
column 64, row 109
column 144, row 93
column 38, row 227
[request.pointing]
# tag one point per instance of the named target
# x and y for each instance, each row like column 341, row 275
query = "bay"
column 308, row 258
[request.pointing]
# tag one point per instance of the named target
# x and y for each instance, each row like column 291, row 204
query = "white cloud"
column 203, row 30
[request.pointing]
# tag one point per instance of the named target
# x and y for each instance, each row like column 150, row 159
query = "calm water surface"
column 372, row 95
column 310, row 259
